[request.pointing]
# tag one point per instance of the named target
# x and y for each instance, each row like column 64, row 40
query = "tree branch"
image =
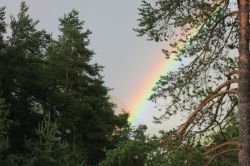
column 219, row 154
column 234, row 72
column 220, row 146
column 209, row 98
column 228, row 82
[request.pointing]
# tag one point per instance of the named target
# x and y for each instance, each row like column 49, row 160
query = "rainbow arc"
column 138, row 106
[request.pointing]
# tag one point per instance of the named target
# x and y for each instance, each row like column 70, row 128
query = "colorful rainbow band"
column 139, row 103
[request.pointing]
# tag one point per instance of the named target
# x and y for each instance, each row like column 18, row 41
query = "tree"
column 79, row 98
column 222, row 149
column 42, row 77
column 147, row 150
column 21, row 64
column 244, row 84
column 129, row 152
column 212, row 58
column 49, row 149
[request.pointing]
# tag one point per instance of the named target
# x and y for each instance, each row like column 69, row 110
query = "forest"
column 55, row 109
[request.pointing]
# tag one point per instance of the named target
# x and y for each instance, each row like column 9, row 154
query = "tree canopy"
column 59, row 110
column 205, row 87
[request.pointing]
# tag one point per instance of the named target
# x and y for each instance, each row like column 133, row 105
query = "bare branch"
column 234, row 72
column 220, row 146
column 228, row 82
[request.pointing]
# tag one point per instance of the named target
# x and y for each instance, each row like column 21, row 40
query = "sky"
column 128, row 60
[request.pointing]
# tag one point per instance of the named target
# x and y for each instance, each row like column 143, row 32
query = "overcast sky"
column 127, row 59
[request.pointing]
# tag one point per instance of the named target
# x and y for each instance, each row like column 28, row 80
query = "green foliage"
column 50, row 149
column 39, row 77
column 157, row 19
column 21, row 63
column 164, row 150
column 204, row 36
column 143, row 150
column 79, row 96
column 5, row 124
column 229, row 133
column 2, row 26
column 55, row 109
column 7, row 158
column 129, row 152
column 207, row 60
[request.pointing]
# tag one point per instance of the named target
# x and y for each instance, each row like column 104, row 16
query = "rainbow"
column 139, row 104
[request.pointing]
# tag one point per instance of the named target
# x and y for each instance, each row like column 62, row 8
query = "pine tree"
column 80, row 98
column 244, row 84
column 212, row 71
column 49, row 149
column 41, row 77
column 20, row 84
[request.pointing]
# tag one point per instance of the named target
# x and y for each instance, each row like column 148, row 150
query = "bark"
column 244, row 84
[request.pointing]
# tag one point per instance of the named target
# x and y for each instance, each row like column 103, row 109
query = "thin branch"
column 220, row 146
column 214, row 118
column 219, row 154
column 216, row 24
column 237, row 72
column 228, row 82
column 209, row 98
column 227, row 115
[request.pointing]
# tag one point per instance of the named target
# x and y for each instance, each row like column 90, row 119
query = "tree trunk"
column 68, row 56
column 244, row 84
column 66, row 85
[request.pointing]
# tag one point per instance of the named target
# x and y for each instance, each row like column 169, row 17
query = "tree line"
column 55, row 109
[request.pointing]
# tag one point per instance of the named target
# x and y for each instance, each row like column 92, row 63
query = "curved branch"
column 233, row 13
column 227, row 115
column 214, row 118
column 219, row 154
column 220, row 146
column 237, row 72
column 203, row 53
column 209, row 98
column 228, row 82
